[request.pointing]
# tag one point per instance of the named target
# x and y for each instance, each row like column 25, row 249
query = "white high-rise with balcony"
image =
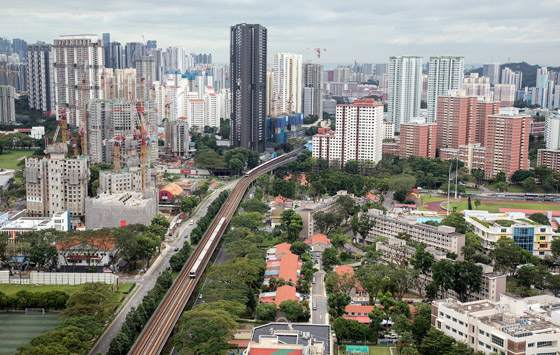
column 446, row 73
column 288, row 82
column 405, row 89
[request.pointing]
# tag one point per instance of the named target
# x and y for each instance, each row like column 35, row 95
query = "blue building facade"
column 285, row 127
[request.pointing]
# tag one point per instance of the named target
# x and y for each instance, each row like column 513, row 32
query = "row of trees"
column 138, row 317
column 202, row 225
column 84, row 315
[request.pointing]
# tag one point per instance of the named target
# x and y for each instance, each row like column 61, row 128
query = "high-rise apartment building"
column 492, row 71
column 358, row 135
column 288, row 82
column 505, row 93
column 57, row 183
column 552, row 131
column 116, row 56
column 106, row 47
column 180, row 137
column 132, row 51
column 7, row 105
column 248, row 48
column 381, row 68
column 19, row 47
column 312, row 90
column 146, row 71
column 40, row 82
column 114, row 123
column 151, row 44
column 118, row 84
column 78, row 63
column 270, row 99
column 461, row 119
column 405, row 89
column 5, row 46
column 512, row 77
column 445, row 73
column 476, row 86
column 418, row 139
column 507, row 142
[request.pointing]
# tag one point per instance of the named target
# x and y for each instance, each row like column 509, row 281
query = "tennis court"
column 18, row 328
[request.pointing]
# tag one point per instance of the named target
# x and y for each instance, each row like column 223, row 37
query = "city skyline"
column 479, row 31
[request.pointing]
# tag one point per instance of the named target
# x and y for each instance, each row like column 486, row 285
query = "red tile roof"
column 285, row 293
column 280, row 200
column 372, row 197
column 102, row 244
column 283, row 248
column 344, row 269
column 320, row 238
column 361, row 319
column 358, row 309
column 288, row 267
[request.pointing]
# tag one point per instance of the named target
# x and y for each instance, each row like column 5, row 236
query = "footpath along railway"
column 155, row 334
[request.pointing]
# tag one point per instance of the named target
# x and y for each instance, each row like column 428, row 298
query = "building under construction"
column 57, row 183
column 116, row 124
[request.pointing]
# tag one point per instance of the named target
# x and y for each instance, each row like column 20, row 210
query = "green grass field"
column 428, row 198
column 379, row 350
column 10, row 159
column 516, row 188
column 19, row 328
column 494, row 206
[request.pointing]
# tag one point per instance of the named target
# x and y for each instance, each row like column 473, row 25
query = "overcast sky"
column 362, row 30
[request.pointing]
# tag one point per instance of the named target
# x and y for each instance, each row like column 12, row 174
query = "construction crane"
column 318, row 51
column 74, row 144
column 143, row 140
column 11, row 75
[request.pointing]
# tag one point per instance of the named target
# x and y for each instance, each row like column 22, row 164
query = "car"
column 200, row 295
column 191, row 222
column 176, row 249
column 313, row 280
column 186, row 236
column 168, row 268
column 410, row 301
column 314, row 306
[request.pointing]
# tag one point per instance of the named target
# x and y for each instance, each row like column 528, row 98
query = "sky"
column 356, row 30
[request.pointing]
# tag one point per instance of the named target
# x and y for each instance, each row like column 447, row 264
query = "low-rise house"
column 169, row 192
column 85, row 252
column 319, row 242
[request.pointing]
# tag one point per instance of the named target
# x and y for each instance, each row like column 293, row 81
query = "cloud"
column 363, row 30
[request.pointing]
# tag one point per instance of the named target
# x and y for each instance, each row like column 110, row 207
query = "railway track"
column 155, row 334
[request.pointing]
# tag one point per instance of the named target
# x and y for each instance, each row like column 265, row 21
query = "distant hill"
column 529, row 71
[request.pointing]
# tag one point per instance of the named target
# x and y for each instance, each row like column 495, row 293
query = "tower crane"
column 11, row 75
column 318, row 51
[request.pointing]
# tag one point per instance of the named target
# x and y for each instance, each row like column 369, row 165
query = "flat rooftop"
column 123, row 198
column 295, row 333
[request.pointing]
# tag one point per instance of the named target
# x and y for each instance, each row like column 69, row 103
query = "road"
column 388, row 201
column 145, row 282
column 318, row 296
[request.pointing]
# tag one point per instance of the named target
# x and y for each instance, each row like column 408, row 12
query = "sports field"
column 18, row 328
column 10, row 159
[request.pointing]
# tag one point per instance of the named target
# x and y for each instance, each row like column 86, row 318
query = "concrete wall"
column 59, row 278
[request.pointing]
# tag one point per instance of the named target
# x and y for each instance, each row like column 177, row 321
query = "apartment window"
column 480, row 343
column 447, row 327
column 544, row 344
column 481, row 332
column 497, row 341
column 531, row 345
column 447, row 316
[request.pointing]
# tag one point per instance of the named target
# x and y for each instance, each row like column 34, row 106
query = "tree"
column 502, row 186
column 553, row 284
column 469, row 205
column 477, row 202
column 478, row 176
column 284, row 188
column 188, row 204
column 529, row 184
column 293, row 224
column 299, row 248
column 540, row 218
column 554, row 247
column 236, row 166
column 266, row 311
column 500, row 177
column 254, row 205
column 508, row 256
column 472, row 244
column 351, row 330
column 295, row 312
column 326, row 221
column 330, row 257
column 44, row 255
column 337, row 304
column 401, row 324
column 346, row 206
column 436, row 343
column 421, row 323
column 250, row 220
column 362, row 225
column 263, row 181
column 444, row 275
column 468, row 279
column 338, row 239
column 456, row 220
column 401, row 184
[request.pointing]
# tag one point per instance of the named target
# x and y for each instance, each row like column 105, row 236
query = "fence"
column 59, row 278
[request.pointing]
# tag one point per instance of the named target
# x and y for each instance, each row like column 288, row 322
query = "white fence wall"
column 60, row 278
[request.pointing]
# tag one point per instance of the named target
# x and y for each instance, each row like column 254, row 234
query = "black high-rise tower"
column 248, row 86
